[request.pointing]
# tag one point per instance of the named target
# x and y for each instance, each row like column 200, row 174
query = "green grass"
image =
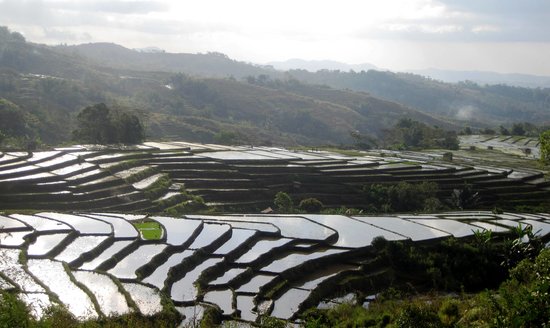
column 149, row 230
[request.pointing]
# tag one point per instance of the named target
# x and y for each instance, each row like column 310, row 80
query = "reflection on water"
column 126, row 268
column 158, row 277
column 53, row 275
column 147, row 299
column 110, row 300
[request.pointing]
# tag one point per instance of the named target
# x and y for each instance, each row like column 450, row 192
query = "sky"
column 505, row 36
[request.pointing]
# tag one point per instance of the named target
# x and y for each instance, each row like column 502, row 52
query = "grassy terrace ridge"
column 150, row 230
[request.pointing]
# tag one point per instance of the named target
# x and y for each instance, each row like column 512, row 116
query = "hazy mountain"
column 212, row 64
column 466, row 101
column 520, row 80
column 317, row 65
column 45, row 87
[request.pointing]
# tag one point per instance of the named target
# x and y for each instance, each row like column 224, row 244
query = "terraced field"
column 97, row 264
column 84, row 227
column 151, row 177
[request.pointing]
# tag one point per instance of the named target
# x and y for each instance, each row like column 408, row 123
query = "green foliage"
column 410, row 134
column 403, row 196
column 150, row 230
column 464, row 198
column 98, row 124
column 283, row 202
column 157, row 188
column 544, row 144
column 522, row 300
column 13, row 312
column 311, row 205
column 211, row 318
column 192, row 204
column 413, row 316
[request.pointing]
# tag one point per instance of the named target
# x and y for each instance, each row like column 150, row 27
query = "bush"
column 100, row 125
column 13, row 312
column 311, row 205
column 403, row 196
column 283, row 202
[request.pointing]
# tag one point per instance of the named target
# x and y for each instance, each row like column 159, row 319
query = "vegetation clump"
column 98, row 124
column 311, row 205
column 411, row 134
column 402, row 197
column 283, row 202
column 518, row 295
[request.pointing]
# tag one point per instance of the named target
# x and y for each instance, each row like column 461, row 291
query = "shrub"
column 13, row 312
column 311, row 205
column 283, row 202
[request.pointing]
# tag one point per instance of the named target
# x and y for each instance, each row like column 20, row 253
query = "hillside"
column 466, row 101
column 474, row 104
column 45, row 88
column 211, row 64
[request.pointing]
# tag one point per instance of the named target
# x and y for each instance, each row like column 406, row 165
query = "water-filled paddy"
column 261, row 248
column 11, row 268
column 184, row 289
column 46, row 243
column 254, row 285
column 289, row 303
column 126, row 268
column 210, row 234
column 294, row 259
column 160, row 274
column 238, row 238
column 222, row 298
column 81, row 224
column 405, row 228
column 178, row 231
column 116, row 247
column 109, row 298
column 147, row 299
column 41, row 224
column 52, row 274
column 79, row 246
column 227, row 276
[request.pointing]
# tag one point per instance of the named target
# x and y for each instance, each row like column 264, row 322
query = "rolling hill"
column 46, row 87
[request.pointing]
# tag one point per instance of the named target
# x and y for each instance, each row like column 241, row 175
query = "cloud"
column 390, row 33
column 66, row 35
column 466, row 113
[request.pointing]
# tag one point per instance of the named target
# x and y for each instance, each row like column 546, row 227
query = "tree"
column 544, row 140
column 94, row 125
column 517, row 129
column 283, row 202
column 129, row 129
column 12, row 119
column 98, row 124
column 311, row 205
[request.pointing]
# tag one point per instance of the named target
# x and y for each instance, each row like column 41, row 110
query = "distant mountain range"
column 317, row 65
column 203, row 98
column 519, row 80
column 449, row 76
column 213, row 98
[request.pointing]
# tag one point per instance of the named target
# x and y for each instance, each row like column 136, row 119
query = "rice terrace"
column 267, row 164
column 158, row 227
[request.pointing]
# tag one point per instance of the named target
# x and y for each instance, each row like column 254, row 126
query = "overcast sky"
column 507, row 36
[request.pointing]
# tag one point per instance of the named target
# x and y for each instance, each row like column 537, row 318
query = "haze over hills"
column 317, row 65
column 480, row 77
column 476, row 105
column 45, row 87
column 212, row 98
column 449, row 76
